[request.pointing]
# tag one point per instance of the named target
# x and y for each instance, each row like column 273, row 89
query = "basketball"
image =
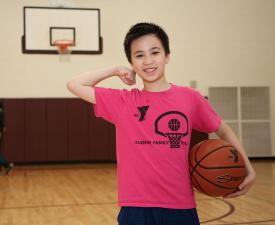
column 174, row 124
column 216, row 167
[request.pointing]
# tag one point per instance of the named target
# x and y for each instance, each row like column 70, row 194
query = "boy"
column 154, row 187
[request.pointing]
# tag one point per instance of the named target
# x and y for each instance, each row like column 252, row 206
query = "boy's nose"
column 148, row 60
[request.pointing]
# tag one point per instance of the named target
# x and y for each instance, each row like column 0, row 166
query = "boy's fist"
column 128, row 76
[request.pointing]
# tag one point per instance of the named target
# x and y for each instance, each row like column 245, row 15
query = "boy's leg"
column 181, row 217
column 157, row 216
column 129, row 215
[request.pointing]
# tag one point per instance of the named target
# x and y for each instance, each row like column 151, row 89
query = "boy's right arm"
column 83, row 84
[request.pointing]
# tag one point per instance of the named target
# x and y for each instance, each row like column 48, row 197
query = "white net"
column 63, row 48
column 61, row 3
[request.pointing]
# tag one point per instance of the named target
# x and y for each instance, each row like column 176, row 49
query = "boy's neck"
column 157, row 86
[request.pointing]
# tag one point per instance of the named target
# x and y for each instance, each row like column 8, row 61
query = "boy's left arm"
column 226, row 133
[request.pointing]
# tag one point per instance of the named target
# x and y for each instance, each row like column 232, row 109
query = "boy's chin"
column 150, row 78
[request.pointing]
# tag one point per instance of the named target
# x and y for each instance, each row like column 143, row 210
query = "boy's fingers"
column 128, row 77
column 131, row 82
column 236, row 194
column 247, row 183
column 128, row 81
column 242, row 185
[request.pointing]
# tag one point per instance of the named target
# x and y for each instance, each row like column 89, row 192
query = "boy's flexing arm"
column 82, row 85
column 225, row 133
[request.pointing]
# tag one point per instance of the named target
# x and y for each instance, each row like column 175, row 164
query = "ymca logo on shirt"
column 142, row 110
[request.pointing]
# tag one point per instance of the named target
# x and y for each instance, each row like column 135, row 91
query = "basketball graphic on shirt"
column 172, row 125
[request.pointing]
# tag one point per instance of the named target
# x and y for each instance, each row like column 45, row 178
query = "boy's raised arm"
column 82, row 85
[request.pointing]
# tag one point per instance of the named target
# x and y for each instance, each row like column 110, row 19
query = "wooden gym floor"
column 86, row 195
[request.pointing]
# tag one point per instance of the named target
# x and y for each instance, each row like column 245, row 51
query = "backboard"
column 45, row 25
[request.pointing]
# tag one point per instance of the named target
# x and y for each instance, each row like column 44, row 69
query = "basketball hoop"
column 63, row 49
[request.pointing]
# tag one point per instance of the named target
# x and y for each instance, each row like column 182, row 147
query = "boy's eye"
column 155, row 53
column 138, row 56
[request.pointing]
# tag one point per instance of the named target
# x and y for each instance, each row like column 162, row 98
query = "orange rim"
column 63, row 45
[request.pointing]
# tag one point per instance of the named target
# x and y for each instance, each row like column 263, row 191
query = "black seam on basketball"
column 228, row 188
column 193, row 167
column 197, row 164
column 225, row 167
column 201, row 189
column 209, row 153
column 211, row 168
column 195, row 157
column 190, row 163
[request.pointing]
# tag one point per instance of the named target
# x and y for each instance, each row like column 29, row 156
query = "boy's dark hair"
column 141, row 29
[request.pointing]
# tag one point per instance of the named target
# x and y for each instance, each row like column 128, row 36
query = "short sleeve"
column 109, row 103
column 205, row 119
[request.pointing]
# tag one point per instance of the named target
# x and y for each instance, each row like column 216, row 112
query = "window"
column 247, row 111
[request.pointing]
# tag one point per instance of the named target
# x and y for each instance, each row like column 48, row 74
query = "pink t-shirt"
column 153, row 131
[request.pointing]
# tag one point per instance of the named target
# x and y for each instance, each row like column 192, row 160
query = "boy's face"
column 148, row 58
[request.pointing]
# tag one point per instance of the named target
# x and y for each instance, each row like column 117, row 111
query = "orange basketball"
column 216, row 167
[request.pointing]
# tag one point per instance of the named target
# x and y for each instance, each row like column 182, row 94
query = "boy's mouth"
column 150, row 70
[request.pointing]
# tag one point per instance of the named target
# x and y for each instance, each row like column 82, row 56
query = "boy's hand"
column 127, row 75
column 245, row 185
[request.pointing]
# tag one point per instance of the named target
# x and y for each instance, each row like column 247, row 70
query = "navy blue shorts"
column 129, row 215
